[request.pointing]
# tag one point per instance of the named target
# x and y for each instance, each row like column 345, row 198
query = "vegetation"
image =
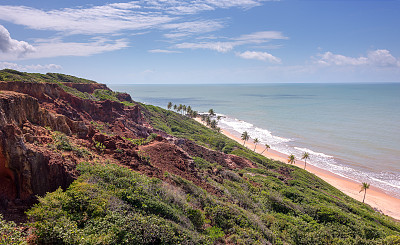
column 12, row 75
column 245, row 137
column 10, row 233
column 292, row 159
column 255, row 141
column 274, row 203
column 266, row 148
column 364, row 188
column 305, row 156
column 109, row 204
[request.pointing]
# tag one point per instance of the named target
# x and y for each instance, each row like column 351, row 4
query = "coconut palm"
column 245, row 137
column 255, row 141
column 266, row 148
column 211, row 112
column 208, row 120
column 219, row 118
column 169, row 105
column 364, row 188
column 213, row 124
column 291, row 159
column 184, row 108
column 180, row 107
column 305, row 157
column 175, row 107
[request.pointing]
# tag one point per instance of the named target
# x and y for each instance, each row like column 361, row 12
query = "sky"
column 204, row 41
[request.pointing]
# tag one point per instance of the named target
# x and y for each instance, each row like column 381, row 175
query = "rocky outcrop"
column 26, row 170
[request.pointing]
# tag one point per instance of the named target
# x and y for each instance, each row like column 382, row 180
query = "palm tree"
column 305, row 157
column 255, row 141
column 184, row 109
column 208, row 120
column 211, row 112
column 180, row 107
column 364, row 188
column 219, row 118
column 266, row 148
column 175, row 107
column 169, row 105
column 245, row 137
column 291, row 159
column 213, row 124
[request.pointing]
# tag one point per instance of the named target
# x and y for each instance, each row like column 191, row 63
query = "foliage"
column 10, row 233
column 112, row 205
column 61, row 141
column 104, row 94
column 99, row 146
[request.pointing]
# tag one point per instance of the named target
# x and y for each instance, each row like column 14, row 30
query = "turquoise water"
column 350, row 129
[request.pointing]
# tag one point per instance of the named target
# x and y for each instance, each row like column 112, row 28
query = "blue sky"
column 204, row 41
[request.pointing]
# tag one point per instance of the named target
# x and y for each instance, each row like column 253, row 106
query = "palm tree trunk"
column 255, row 148
column 305, row 163
column 365, row 192
column 263, row 151
column 244, row 142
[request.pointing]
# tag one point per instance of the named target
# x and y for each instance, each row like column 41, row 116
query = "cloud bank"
column 12, row 46
column 377, row 58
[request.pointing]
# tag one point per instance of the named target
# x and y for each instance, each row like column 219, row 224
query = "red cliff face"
column 100, row 131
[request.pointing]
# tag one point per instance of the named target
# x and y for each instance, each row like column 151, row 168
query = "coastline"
column 375, row 197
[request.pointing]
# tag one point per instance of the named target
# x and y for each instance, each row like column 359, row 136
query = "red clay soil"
column 167, row 157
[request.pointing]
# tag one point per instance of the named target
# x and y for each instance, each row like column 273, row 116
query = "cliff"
column 104, row 169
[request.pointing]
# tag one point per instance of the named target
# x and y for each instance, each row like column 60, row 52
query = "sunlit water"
column 350, row 129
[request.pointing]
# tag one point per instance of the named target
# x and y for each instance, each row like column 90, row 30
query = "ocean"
column 352, row 130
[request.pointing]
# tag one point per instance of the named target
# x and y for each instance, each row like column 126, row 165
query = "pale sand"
column 375, row 197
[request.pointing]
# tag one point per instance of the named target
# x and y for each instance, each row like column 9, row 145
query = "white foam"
column 385, row 181
column 311, row 152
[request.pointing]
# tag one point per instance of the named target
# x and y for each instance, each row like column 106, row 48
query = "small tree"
column 305, row 157
column 266, row 148
column 169, row 105
column 245, row 137
column 291, row 159
column 211, row 112
column 255, row 141
column 364, row 188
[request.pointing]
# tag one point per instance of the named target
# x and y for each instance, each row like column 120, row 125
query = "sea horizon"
column 336, row 128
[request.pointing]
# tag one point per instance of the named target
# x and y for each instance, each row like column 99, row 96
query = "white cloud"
column 104, row 19
column 117, row 17
column 12, row 46
column 183, row 7
column 260, row 37
column 264, row 56
column 225, row 46
column 221, row 47
column 56, row 47
column 184, row 29
column 14, row 66
column 378, row 58
column 163, row 51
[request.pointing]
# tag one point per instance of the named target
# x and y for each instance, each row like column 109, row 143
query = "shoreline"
column 375, row 197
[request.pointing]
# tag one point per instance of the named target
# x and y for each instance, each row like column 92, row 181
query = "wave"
column 387, row 181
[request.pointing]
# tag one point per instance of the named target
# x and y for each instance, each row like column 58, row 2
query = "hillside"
column 92, row 166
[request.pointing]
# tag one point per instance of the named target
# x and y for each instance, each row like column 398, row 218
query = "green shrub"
column 61, row 141
column 10, row 233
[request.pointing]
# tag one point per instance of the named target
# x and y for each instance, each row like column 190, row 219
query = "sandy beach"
column 375, row 197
